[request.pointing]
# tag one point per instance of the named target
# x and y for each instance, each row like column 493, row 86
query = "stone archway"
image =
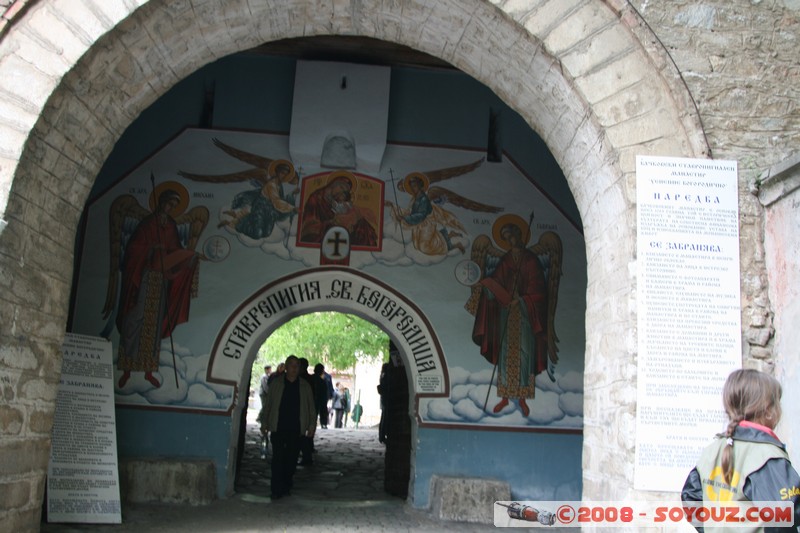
column 328, row 289
column 585, row 76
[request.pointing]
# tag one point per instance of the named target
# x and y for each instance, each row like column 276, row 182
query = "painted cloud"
column 556, row 404
column 191, row 391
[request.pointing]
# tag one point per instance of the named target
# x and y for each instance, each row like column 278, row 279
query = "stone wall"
column 739, row 62
column 779, row 193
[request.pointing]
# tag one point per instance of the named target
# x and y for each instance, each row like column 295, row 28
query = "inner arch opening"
column 362, row 449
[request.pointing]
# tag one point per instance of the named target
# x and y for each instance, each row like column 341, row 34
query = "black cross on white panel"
column 336, row 244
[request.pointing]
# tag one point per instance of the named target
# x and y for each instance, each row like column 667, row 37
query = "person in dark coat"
column 306, row 442
column 288, row 415
column 321, row 394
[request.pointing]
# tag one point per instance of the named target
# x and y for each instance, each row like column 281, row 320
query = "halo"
column 407, row 181
column 170, row 186
column 333, row 176
column 514, row 220
column 273, row 169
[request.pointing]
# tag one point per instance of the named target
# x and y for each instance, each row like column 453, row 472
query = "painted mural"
column 341, row 199
column 208, row 221
column 253, row 213
column 153, row 275
column 514, row 321
column 432, row 229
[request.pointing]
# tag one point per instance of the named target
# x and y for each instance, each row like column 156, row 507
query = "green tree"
column 330, row 338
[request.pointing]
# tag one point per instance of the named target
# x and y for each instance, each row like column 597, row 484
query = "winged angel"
column 254, row 213
column 155, row 255
column 433, row 228
column 514, row 305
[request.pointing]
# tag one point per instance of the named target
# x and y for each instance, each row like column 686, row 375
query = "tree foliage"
column 330, row 338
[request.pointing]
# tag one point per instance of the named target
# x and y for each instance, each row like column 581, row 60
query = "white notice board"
column 688, row 304
column 83, row 479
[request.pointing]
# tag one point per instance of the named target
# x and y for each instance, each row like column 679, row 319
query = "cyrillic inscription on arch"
column 331, row 289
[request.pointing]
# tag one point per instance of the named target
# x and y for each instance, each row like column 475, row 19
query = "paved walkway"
column 343, row 490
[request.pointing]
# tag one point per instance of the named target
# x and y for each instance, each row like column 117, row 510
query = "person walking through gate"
column 307, row 443
column 346, row 406
column 262, row 394
column 383, row 391
column 321, row 394
column 329, row 384
column 263, row 388
column 288, row 415
column 278, row 372
column 338, row 404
